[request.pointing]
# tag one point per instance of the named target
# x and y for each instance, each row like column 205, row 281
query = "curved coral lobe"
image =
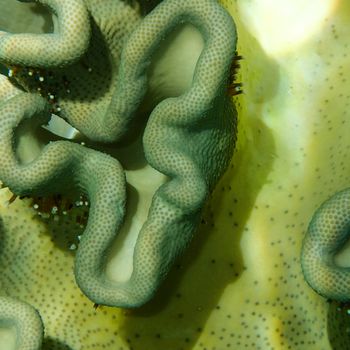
column 26, row 323
column 188, row 138
column 327, row 234
column 79, row 79
column 57, row 49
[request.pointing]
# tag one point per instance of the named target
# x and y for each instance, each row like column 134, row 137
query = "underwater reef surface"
column 240, row 284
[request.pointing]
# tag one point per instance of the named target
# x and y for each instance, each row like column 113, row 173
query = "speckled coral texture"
column 240, row 284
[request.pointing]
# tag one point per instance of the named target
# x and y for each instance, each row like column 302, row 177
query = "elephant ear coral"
column 188, row 137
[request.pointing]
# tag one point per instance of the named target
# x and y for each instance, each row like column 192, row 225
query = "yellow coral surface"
column 239, row 285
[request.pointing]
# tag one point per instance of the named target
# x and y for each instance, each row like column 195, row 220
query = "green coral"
column 327, row 235
column 188, row 137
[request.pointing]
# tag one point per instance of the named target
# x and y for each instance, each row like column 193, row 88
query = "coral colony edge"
column 93, row 71
column 116, row 139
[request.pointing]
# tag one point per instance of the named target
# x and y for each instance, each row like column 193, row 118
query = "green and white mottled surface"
column 239, row 286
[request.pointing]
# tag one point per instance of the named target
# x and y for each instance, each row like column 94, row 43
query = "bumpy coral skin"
column 25, row 319
column 219, row 34
column 59, row 165
column 80, row 92
column 71, row 41
column 189, row 138
column 101, row 98
column 327, row 234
